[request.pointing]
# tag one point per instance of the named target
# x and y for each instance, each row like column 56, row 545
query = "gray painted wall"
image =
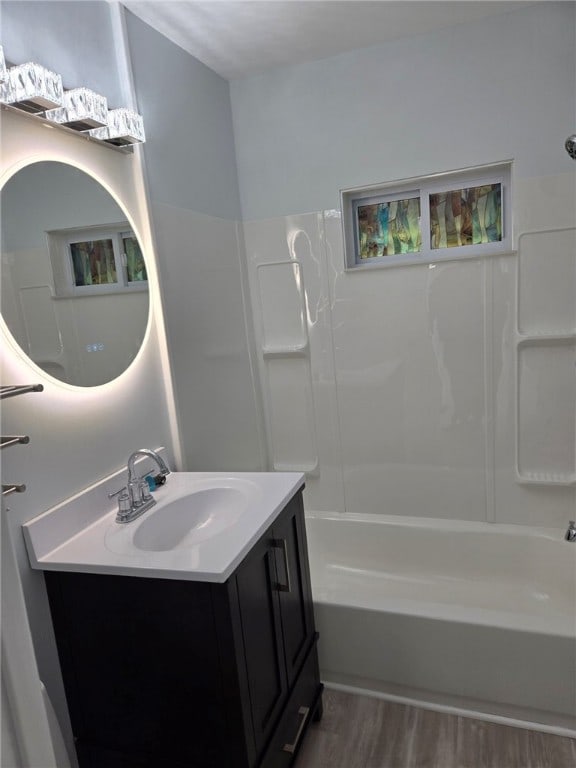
column 195, row 208
column 188, row 121
column 473, row 94
column 74, row 39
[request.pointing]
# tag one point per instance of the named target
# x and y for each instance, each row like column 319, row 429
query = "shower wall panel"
column 409, row 356
column 415, row 395
column 302, row 355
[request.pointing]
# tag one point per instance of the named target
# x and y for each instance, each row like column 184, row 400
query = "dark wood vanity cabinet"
column 184, row 674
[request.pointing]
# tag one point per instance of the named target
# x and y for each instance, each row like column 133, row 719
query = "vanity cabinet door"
column 261, row 627
column 294, row 590
column 277, row 621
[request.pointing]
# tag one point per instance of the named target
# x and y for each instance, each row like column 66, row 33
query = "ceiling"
column 237, row 38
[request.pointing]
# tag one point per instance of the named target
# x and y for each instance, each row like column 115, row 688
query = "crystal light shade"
column 124, row 127
column 32, row 88
column 82, row 109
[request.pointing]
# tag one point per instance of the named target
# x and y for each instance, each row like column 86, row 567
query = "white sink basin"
column 202, row 525
column 185, row 515
column 191, row 519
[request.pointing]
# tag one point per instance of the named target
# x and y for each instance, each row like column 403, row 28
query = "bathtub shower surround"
column 414, row 369
column 439, row 397
column 443, row 390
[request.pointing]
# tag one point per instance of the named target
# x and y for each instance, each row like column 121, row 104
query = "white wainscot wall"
column 407, row 396
column 206, row 314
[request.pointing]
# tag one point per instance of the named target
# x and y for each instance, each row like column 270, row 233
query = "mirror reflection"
column 74, row 284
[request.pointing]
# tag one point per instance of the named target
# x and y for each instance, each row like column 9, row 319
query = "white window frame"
column 59, row 242
column 424, row 186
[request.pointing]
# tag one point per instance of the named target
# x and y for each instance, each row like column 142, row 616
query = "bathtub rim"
column 557, row 624
column 551, row 533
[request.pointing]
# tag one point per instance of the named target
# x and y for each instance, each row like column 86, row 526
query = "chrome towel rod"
column 19, row 389
column 8, row 489
column 13, row 440
column 11, row 391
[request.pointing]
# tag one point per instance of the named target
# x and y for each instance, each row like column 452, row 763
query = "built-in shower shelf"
column 546, row 357
column 546, row 408
column 546, row 478
column 285, row 350
column 546, row 283
column 298, row 350
column 310, row 469
column 542, row 337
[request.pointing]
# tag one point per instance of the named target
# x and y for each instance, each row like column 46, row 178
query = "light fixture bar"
column 38, row 92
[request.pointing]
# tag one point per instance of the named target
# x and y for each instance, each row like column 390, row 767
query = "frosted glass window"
column 468, row 216
column 441, row 217
column 93, row 262
column 96, row 260
column 135, row 266
column 388, row 228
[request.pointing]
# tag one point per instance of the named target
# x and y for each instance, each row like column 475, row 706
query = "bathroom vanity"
column 178, row 671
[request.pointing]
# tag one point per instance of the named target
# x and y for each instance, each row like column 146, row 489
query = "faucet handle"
column 145, row 490
column 116, row 493
column 124, row 507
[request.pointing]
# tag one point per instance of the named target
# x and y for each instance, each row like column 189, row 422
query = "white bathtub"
column 469, row 617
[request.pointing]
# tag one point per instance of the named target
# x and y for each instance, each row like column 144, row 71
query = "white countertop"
column 81, row 533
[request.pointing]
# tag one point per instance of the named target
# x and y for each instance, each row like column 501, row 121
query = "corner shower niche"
column 286, row 355
column 546, row 358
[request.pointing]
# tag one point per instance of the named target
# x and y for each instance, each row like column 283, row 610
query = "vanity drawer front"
column 297, row 715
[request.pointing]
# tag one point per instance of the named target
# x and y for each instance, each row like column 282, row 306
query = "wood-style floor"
column 364, row 732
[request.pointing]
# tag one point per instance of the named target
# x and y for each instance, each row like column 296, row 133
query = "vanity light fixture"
column 124, row 127
column 32, row 88
column 81, row 110
column 38, row 91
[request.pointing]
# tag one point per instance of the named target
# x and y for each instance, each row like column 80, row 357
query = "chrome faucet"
column 571, row 532
column 135, row 498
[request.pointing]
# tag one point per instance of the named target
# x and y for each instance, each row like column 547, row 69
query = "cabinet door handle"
column 291, row 748
column 281, row 544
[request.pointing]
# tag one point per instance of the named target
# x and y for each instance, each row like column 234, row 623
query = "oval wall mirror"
column 74, row 284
